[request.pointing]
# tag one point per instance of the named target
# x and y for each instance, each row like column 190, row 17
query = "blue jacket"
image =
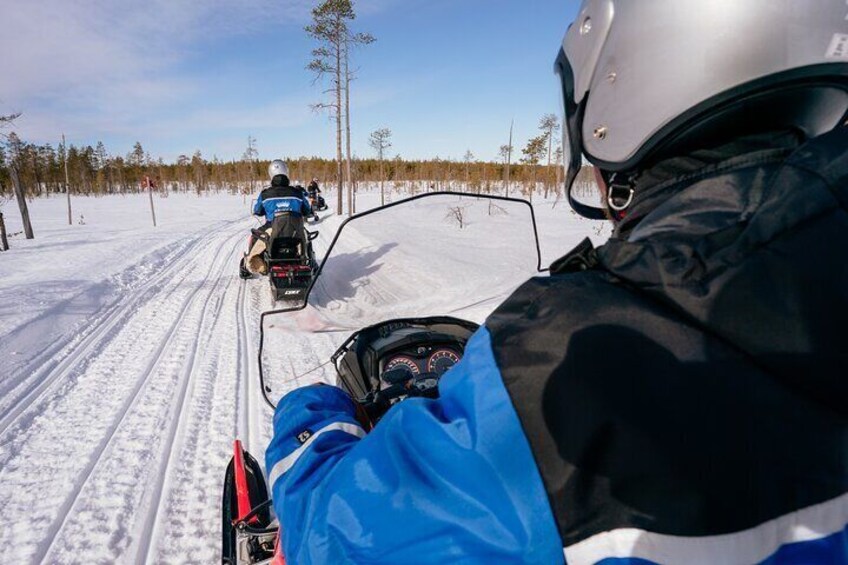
column 437, row 481
column 279, row 199
column 451, row 480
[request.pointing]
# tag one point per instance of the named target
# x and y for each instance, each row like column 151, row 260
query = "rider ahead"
column 275, row 202
column 281, row 197
column 314, row 189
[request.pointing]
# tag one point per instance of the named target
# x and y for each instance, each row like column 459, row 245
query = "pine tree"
column 104, row 183
column 250, row 156
column 380, row 141
column 183, row 165
column 506, row 153
column 468, row 158
column 331, row 58
column 549, row 125
column 136, row 157
column 198, row 169
column 533, row 153
column 329, row 28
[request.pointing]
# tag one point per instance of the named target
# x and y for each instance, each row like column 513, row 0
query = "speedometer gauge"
column 402, row 362
column 441, row 361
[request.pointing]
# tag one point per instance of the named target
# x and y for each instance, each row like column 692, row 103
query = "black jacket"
column 690, row 377
column 281, row 188
column 281, row 198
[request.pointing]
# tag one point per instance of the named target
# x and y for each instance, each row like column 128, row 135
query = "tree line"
column 30, row 170
column 91, row 170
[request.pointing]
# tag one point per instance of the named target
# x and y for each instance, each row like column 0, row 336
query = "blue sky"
column 444, row 75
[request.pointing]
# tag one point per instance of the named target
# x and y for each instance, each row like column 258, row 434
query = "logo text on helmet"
column 838, row 47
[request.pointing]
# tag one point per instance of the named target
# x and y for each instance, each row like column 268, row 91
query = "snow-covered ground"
column 128, row 352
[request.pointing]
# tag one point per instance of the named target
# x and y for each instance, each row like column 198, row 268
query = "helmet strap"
column 620, row 193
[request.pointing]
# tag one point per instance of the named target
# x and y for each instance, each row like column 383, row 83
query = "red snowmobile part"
column 286, row 269
column 248, row 534
column 242, row 490
column 243, row 498
column 279, row 559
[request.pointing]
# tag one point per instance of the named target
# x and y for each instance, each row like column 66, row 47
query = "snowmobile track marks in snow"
column 213, row 413
column 179, row 416
column 69, row 511
column 156, row 355
column 247, row 360
column 99, row 334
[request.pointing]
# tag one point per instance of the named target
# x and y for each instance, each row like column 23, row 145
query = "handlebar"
column 424, row 385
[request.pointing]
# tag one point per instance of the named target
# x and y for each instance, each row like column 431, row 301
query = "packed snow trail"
column 116, row 452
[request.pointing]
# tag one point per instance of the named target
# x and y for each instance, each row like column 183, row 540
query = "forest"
column 92, row 170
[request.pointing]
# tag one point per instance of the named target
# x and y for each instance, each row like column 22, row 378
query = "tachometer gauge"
column 441, row 361
column 402, row 362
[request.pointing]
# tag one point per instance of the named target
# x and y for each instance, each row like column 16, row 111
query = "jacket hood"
column 752, row 248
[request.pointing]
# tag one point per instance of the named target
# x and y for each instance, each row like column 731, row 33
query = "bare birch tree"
column 457, row 214
column 250, row 156
column 380, row 141
column 506, row 153
column 351, row 40
column 67, row 181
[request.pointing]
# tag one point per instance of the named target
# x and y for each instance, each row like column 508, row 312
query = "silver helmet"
column 643, row 79
column 278, row 167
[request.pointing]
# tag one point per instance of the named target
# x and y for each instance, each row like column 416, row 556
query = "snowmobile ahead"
column 287, row 258
column 290, row 259
column 317, row 202
column 386, row 269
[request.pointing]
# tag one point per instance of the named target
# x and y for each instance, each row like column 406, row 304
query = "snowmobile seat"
column 288, row 238
column 286, row 248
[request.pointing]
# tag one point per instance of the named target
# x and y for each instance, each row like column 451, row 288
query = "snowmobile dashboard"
column 384, row 364
column 434, row 359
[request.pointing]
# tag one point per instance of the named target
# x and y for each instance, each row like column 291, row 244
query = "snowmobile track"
column 245, row 385
column 214, row 414
column 99, row 334
column 151, row 532
column 68, row 510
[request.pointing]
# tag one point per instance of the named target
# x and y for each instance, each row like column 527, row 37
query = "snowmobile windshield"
column 437, row 254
